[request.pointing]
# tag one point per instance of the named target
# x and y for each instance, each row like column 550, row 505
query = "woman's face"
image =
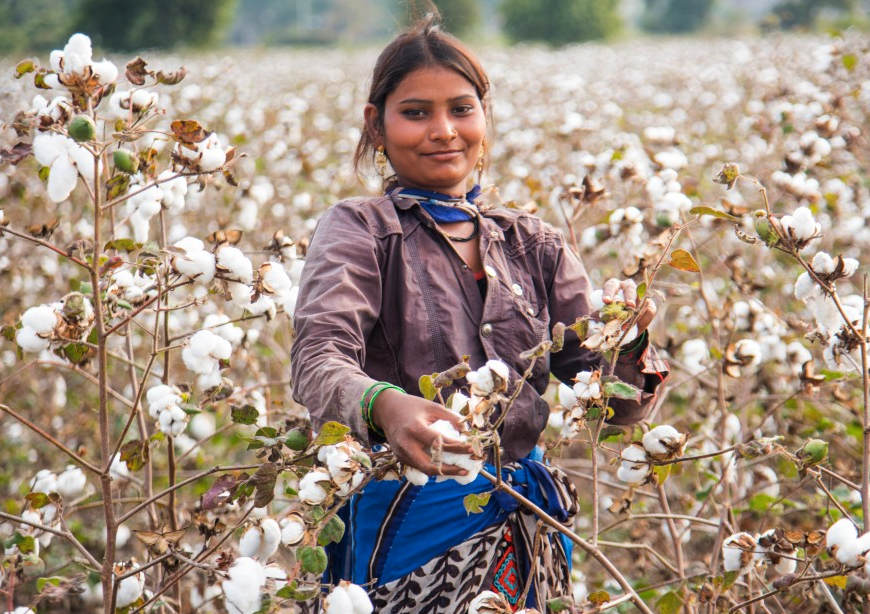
column 433, row 129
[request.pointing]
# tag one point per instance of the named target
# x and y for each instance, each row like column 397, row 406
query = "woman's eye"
column 413, row 113
column 462, row 109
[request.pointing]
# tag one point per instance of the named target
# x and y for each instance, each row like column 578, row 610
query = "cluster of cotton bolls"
column 742, row 552
column 344, row 468
column 666, row 194
column 75, row 64
column 485, row 386
column 661, row 443
column 220, row 324
column 164, row 405
column 626, row 224
column 41, row 326
column 841, row 348
column 132, row 287
column 144, row 202
column 576, row 401
column 190, row 258
column 261, row 539
column 66, row 160
column 206, row 156
column 69, row 484
column 245, row 583
column 203, row 355
column 605, row 332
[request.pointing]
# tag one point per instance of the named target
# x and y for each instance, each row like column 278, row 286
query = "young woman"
column 406, row 283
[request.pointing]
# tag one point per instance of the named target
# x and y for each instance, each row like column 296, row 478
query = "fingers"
column 613, row 286
column 646, row 315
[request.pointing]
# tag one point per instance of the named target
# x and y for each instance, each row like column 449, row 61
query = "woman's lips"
column 444, row 156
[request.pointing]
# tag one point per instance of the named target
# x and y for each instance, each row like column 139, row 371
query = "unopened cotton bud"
column 82, row 128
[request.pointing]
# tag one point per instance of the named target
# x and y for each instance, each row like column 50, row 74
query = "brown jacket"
column 384, row 297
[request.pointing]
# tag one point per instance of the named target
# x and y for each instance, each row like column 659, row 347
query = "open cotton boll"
column 587, row 387
column 463, row 461
column 242, row 588
column 261, row 540
column 823, row 264
column 71, row 483
column 738, row 552
column 42, row 319
column 662, row 439
column 45, row 480
column 292, row 530
column 848, row 553
column 29, row 341
column 841, row 534
column 106, row 71
column 339, row 602
column 312, row 487
column 236, row 263
column 488, row 602
column 129, row 589
column 805, row 287
column 748, row 351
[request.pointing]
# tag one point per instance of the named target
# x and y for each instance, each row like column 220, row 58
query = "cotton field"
column 728, row 176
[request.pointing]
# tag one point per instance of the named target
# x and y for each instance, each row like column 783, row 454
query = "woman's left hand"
column 629, row 291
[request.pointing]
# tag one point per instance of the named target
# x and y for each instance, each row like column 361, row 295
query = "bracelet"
column 641, row 339
column 366, row 404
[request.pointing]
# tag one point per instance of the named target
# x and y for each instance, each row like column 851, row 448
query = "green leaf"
column 641, row 290
column 331, row 433
column 662, row 472
column 621, row 390
column 560, row 604
column 292, row 591
column 75, row 352
column 53, row 581
column 122, row 245
column 313, row 559
column 87, row 287
column 761, row 502
column 25, row 543
column 39, row 500
column 670, row 603
column 332, row 531
column 8, row 332
column 24, row 67
column 683, row 261
column 722, row 215
column 43, row 173
column 599, row 597
column 850, row 60
column 729, row 579
column 474, row 503
column 427, row 388
column 135, row 453
column 593, row 413
column 244, row 414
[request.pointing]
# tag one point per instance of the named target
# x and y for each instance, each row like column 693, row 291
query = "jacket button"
column 489, row 271
column 493, row 234
column 518, row 289
column 486, row 329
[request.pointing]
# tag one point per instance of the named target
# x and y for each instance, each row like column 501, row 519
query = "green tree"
column 560, row 22
column 34, row 25
column 802, row 13
column 676, row 16
column 124, row 25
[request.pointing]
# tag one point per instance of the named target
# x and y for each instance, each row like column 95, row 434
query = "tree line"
column 116, row 25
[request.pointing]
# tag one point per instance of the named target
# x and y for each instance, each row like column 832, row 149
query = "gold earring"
column 481, row 161
column 381, row 161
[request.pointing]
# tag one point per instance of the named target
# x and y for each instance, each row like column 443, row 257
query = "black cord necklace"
column 476, row 228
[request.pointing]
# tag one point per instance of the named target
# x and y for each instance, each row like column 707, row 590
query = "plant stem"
column 584, row 545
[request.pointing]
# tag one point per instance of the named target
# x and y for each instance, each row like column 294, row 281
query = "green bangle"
column 366, row 404
column 641, row 339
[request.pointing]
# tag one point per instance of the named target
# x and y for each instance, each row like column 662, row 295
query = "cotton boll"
column 840, row 535
column 292, row 530
column 748, row 352
column 848, row 553
column 632, row 475
column 823, row 264
column 359, row 598
column 42, row 319
column 312, row 487
column 737, row 552
column 338, row 602
column 261, row 540
column 45, row 481
column 29, row 341
column 236, row 263
column 71, row 483
column 242, row 588
column 130, row 589
column 662, row 440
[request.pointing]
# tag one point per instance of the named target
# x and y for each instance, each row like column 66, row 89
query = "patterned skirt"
column 418, row 550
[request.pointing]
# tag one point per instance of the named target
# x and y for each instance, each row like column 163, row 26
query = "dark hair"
column 423, row 45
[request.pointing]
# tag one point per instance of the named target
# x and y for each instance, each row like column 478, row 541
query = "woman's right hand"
column 405, row 419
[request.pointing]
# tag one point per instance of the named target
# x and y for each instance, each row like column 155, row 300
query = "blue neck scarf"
column 444, row 208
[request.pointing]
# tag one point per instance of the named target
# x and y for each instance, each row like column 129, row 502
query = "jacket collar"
column 492, row 224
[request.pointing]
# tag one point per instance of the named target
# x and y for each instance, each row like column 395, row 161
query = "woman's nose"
column 442, row 128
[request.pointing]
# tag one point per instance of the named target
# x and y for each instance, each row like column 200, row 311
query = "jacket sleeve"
column 568, row 297
column 339, row 303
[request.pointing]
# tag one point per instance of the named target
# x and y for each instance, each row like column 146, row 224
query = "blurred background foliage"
column 120, row 25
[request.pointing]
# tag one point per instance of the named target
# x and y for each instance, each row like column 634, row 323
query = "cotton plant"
column 604, row 331
column 663, row 443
